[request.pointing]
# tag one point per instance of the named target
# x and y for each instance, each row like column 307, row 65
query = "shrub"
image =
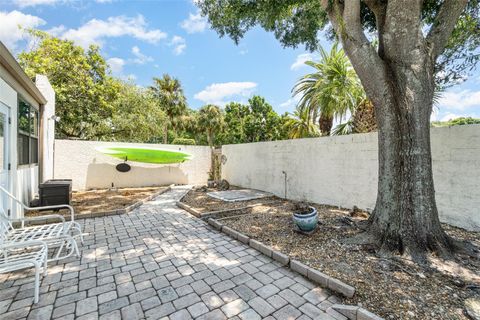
column 184, row 141
column 456, row 122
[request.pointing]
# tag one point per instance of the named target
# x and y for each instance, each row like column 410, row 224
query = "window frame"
column 30, row 135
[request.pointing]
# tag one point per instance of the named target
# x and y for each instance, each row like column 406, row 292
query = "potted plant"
column 305, row 217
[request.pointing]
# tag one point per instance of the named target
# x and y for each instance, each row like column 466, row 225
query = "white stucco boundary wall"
column 91, row 169
column 342, row 170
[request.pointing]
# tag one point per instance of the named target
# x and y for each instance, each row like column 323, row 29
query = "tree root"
column 466, row 248
column 446, row 249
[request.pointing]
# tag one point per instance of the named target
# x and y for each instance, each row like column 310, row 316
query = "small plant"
column 302, row 207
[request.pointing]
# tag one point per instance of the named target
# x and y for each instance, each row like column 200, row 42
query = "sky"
column 145, row 39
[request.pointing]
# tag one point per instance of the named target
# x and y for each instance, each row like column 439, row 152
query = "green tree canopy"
column 300, row 125
column 299, row 22
column 169, row 95
column 211, row 121
column 332, row 91
column 84, row 90
column 136, row 116
column 252, row 122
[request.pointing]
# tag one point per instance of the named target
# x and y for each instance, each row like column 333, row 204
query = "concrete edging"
column 355, row 312
column 310, row 273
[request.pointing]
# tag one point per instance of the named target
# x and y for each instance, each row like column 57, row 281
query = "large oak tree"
column 422, row 44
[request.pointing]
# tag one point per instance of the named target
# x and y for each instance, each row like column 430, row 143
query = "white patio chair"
column 58, row 235
column 19, row 256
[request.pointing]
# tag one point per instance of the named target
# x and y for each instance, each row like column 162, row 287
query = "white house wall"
column 343, row 170
column 20, row 177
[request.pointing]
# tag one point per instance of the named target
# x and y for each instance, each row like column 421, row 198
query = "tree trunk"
column 398, row 77
column 209, row 138
column 325, row 124
column 405, row 218
column 165, row 134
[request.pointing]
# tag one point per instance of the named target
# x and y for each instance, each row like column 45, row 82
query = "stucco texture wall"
column 90, row 169
column 342, row 170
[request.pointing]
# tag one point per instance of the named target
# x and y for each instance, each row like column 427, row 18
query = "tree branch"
column 365, row 60
column 444, row 24
column 402, row 33
column 379, row 9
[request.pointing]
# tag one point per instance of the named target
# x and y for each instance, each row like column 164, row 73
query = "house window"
column 27, row 133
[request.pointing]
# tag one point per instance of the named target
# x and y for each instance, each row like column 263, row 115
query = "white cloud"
column 179, row 45
column 32, row 3
column 10, row 33
column 290, row 104
column 95, row 31
column 195, row 23
column 140, row 58
column 116, row 65
column 57, row 31
column 216, row 93
column 301, row 59
column 460, row 100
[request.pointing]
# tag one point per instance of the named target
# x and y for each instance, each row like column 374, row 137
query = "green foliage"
column 184, row 141
column 300, row 125
column 136, row 116
column 256, row 121
column 84, row 90
column 297, row 22
column 169, row 97
column 211, row 120
column 293, row 22
column 343, row 128
column 456, row 122
column 332, row 90
column 235, row 118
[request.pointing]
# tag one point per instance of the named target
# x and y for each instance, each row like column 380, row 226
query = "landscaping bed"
column 106, row 200
column 393, row 288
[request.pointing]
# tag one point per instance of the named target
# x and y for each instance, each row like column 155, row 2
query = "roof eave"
column 12, row 66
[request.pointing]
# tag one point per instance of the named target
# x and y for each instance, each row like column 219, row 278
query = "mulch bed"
column 393, row 288
column 200, row 201
column 105, row 200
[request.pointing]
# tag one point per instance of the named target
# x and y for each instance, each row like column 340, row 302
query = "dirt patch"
column 104, row 200
column 393, row 288
column 200, row 201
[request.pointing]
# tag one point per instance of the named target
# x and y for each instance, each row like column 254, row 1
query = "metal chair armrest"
column 60, row 206
column 40, row 218
column 72, row 213
column 23, row 244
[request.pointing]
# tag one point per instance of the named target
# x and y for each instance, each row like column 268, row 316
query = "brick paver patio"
column 159, row 262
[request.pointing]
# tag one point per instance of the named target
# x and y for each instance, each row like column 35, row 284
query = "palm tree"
column 331, row 91
column 300, row 125
column 170, row 98
column 210, row 119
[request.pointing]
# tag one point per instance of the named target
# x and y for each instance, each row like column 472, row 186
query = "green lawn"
column 146, row 155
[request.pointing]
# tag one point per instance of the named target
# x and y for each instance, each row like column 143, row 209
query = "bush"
column 456, row 122
column 184, row 141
